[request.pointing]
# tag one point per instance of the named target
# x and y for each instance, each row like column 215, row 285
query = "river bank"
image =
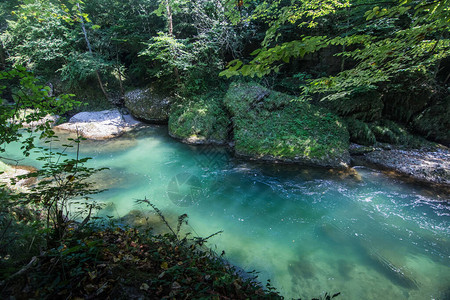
column 423, row 165
column 119, row 263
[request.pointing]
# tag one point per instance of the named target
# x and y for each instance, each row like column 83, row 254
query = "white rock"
column 100, row 125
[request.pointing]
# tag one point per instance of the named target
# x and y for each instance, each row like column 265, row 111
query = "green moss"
column 269, row 124
column 390, row 132
column 384, row 131
column 434, row 122
column 360, row 132
column 362, row 105
column 199, row 119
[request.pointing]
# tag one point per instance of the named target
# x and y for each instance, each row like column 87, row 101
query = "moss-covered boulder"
column 148, row 105
column 434, row 122
column 200, row 120
column 273, row 126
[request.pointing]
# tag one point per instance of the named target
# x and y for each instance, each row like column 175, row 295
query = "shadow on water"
column 373, row 259
column 298, row 172
column 345, row 268
column 301, row 269
column 396, row 274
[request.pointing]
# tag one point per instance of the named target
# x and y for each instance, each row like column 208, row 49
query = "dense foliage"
column 409, row 37
column 125, row 42
column 339, row 52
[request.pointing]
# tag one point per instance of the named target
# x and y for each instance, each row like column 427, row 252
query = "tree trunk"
column 122, row 92
column 2, row 57
column 90, row 51
column 170, row 30
column 169, row 18
column 343, row 45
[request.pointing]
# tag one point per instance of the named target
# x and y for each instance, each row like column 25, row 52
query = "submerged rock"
column 144, row 218
column 125, row 142
column 394, row 271
column 107, row 179
column 273, row 126
column 396, row 274
column 100, row 125
column 34, row 119
column 302, row 268
column 345, row 268
column 148, row 105
column 10, row 172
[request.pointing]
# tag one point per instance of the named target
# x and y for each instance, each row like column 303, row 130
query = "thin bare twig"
column 21, row 271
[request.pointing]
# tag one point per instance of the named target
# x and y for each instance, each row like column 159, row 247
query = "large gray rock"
column 100, row 125
column 147, row 105
column 423, row 165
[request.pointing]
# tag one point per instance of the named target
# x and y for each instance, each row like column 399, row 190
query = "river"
column 309, row 230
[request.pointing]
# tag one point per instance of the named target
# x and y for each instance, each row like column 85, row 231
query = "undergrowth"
column 112, row 261
column 385, row 131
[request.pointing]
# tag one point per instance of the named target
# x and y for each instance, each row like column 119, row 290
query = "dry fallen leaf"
column 144, row 287
column 164, row 265
column 176, row 285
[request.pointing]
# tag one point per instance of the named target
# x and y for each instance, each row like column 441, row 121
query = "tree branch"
column 20, row 272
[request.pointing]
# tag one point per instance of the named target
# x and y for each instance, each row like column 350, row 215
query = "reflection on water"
column 309, row 230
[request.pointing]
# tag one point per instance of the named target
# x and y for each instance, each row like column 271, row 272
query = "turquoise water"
column 309, row 230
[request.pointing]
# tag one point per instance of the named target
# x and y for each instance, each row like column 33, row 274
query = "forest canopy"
column 185, row 44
